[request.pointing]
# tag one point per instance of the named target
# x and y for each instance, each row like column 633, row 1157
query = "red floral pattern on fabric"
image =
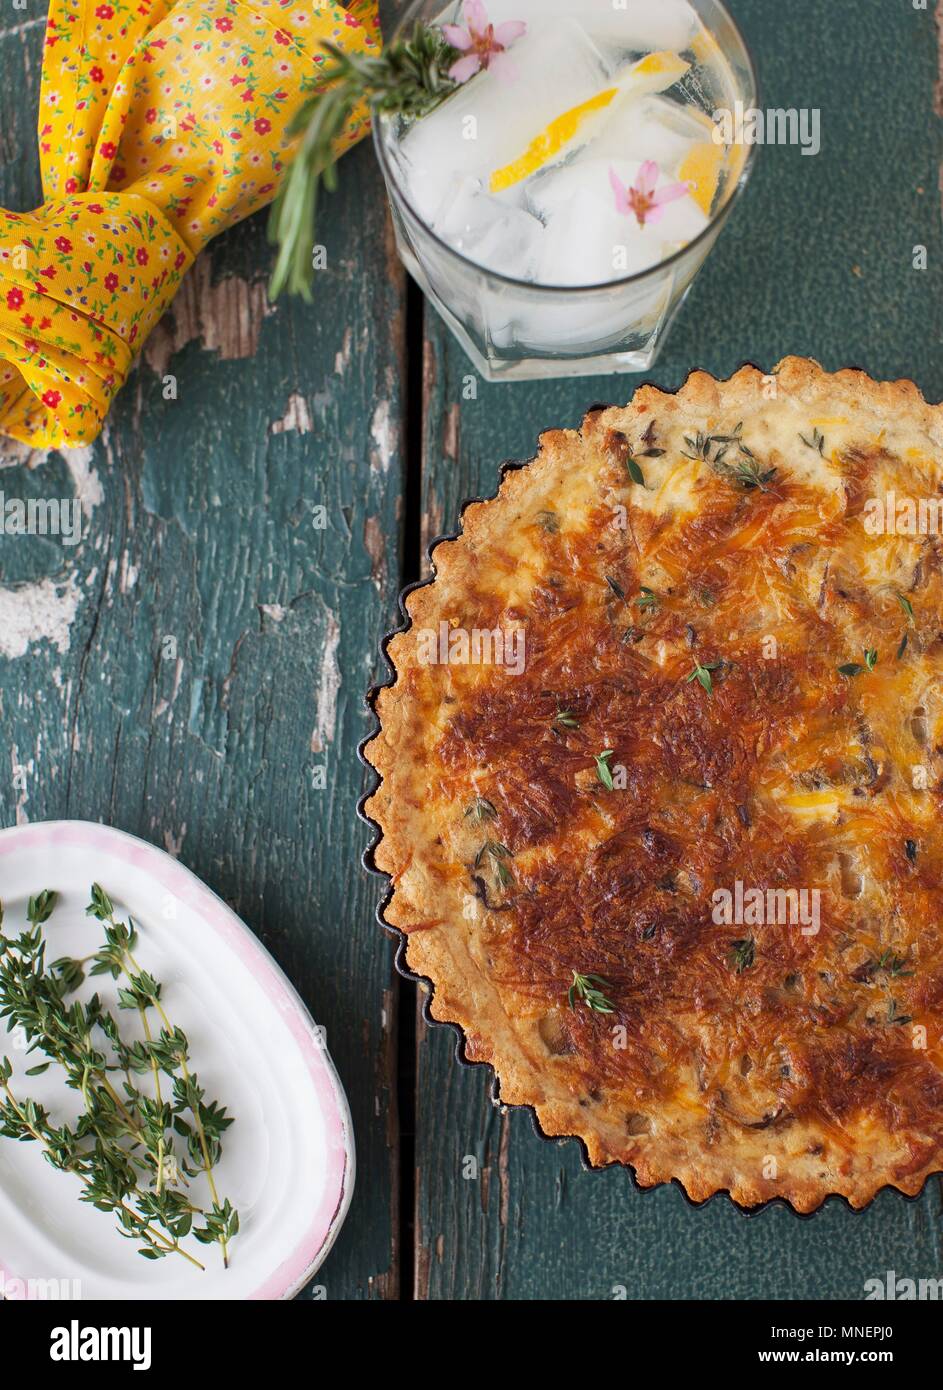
column 161, row 123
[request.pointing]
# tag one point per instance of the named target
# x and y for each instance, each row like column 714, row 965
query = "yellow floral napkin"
column 161, row 123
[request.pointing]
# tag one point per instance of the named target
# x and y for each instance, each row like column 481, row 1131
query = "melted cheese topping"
column 808, row 774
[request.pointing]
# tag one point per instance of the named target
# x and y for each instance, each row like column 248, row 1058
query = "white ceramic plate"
column 288, row 1158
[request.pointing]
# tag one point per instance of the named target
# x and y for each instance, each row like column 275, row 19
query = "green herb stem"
column 201, row 1133
column 152, row 1234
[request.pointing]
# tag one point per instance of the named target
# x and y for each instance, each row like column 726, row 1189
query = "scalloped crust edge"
column 799, row 377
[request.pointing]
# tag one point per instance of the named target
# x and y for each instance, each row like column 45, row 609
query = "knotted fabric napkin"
column 161, row 123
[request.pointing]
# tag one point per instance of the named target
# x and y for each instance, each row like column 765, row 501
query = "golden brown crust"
column 759, row 1058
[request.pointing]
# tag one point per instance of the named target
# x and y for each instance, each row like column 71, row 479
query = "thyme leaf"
column 566, row 719
column 496, row 853
column 743, row 954
column 897, row 1018
column 702, row 674
column 634, row 471
column 892, row 965
column 603, row 771
column 588, row 989
column 854, row 668
column 745, row 470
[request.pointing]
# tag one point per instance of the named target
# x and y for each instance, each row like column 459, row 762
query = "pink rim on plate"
column 312, row 1248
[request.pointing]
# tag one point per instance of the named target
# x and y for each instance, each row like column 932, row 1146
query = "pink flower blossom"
column 642, row 200
column 484, row 45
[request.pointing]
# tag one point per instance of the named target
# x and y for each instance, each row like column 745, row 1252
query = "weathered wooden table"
column 194, row 670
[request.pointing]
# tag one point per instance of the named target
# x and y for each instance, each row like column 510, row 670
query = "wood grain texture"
column 816, row 261
column 201, row 528
column 193, row 671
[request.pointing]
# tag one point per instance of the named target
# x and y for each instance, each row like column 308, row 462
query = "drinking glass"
column 513, row 329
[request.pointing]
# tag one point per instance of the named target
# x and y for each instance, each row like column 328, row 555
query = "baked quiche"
column 660, row 790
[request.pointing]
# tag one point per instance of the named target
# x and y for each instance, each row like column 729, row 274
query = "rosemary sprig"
column 121, row 1147
column 588, row 989
column 410, row 77
column 816, row 443
column 647, row 598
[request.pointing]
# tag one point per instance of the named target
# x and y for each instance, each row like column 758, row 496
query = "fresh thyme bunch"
column 410, row 77
column 122, row 1145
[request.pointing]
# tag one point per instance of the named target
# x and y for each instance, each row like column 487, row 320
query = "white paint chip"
column 326, row 720
column 384, row 437
column 173, row 844
column 31, row 612
column 297, row 417
column 342, row 358
column 88, row 489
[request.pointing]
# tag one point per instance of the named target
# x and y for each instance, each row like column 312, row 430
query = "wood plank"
column 817, row 260
column 196, row 665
